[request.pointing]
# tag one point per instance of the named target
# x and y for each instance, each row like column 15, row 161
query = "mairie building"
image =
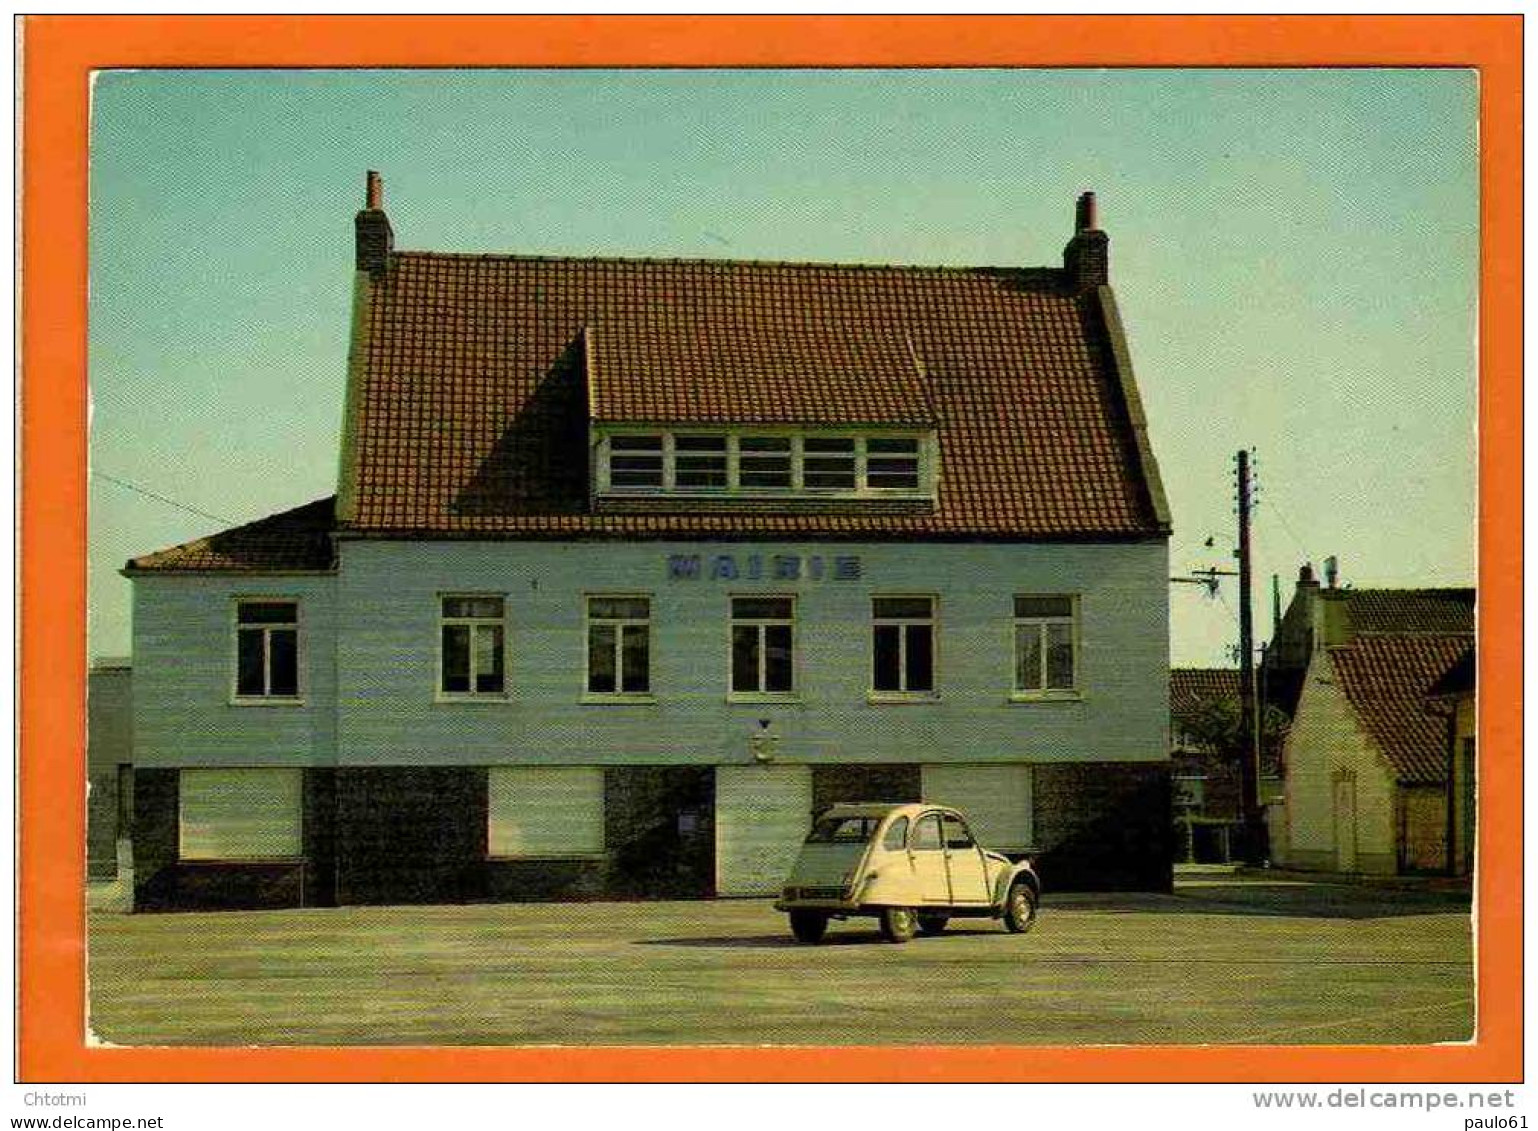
column 633, row 565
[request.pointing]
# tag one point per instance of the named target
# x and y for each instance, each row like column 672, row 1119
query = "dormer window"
column 699, row 461
column 768, row 464
column 763, row 461
column 892, row 463
column 635, row 461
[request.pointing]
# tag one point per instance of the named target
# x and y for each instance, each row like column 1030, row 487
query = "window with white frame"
column 892, row 463
column 471, row 657
column 699, row 461
column 829, row 463
column 815, row 465
column 763, row 645
column 266, row 649
column 903, row 645
column 619, row 645
column 1046, row 645
column 764, row 461
column 635, row 461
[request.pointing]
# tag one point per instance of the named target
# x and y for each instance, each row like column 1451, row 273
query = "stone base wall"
column 418, row 835
column 101, row 825
column 832, row 784
column 165, row 882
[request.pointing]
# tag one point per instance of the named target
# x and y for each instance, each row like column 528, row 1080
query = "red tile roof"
column 1192, row 689
column 295, row 541
column 1435, row 611
column 470, row 406
column 1386, row 680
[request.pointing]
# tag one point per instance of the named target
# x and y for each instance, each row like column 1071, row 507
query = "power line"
column 161, row 498
column 1293, row 534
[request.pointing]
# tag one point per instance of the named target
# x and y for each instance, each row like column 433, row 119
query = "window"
column 1046, row 646
column 828, row 463
column 544, row 811
column 619, row 645
column 754, row 463
column 892, row 464
column 267, row 649
column 926, row 834
column 903, row 645
column 245, row 814
column 699, row 461
column 763, row 461
column 956, row 834
column 896, row 836
column 471, row 633
column 843, row 830
column 635, row 461
column 763, row 645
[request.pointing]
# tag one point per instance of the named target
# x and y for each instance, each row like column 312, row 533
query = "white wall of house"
column 185, row 712
column 1325, row 740
column 370, row 653
column 388, row 610
column 389, row 713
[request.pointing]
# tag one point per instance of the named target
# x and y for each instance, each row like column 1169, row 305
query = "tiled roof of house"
column 1433, row 611
column 1459, row 679
column 295, row 541
column 1387, row 679
column 469, row 407
column 1191, row 689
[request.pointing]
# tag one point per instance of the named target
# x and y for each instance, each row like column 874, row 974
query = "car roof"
column 882, row 808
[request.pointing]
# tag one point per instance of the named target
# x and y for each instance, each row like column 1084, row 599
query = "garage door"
column 762, row 816
column 544, row 811
column 246, row 814
column 995, row 799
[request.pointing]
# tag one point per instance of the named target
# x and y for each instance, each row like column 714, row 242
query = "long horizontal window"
column 766, row 463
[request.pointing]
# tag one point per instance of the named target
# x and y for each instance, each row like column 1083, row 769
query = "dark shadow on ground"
column 1305, row 900
column 769, row 942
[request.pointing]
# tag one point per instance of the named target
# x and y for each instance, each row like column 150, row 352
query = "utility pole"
column 1254, row 850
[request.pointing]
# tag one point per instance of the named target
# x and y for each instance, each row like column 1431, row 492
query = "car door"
column 927, row 850
column 964, row 862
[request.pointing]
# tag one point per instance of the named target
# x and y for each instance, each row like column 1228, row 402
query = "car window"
column 896, row 836
column 956, row 835
column 926, row 836
column 843, row 830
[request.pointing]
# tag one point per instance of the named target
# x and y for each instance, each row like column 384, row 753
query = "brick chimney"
column 375, row 237
column 1087, row 259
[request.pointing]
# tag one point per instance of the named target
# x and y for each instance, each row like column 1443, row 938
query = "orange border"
column 58, row 55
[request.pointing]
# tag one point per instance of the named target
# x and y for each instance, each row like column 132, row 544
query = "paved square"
column 1223, row 960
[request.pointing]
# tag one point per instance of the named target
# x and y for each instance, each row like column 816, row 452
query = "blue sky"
column 1294, row 253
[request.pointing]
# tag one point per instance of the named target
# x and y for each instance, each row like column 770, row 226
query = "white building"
column 635, row 564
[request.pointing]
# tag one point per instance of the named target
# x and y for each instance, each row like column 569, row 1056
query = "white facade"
column 369, row 655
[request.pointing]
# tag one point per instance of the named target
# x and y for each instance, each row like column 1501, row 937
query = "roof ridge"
column 708, row 261
column 1405, row 589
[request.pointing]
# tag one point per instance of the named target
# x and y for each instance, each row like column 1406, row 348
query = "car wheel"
column 932, row 924
column 898, row 924
column 808, row 926
column 1020, row 908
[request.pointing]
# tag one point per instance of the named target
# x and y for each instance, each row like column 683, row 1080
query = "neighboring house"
column 635, row 564
column 109, row 773
column 1208, row 790
column 1454, row 692
column 1368, row 752
column 1206, row 787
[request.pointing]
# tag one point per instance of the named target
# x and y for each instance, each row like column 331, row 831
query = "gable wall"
column 1325, row 739
column 184, row 648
